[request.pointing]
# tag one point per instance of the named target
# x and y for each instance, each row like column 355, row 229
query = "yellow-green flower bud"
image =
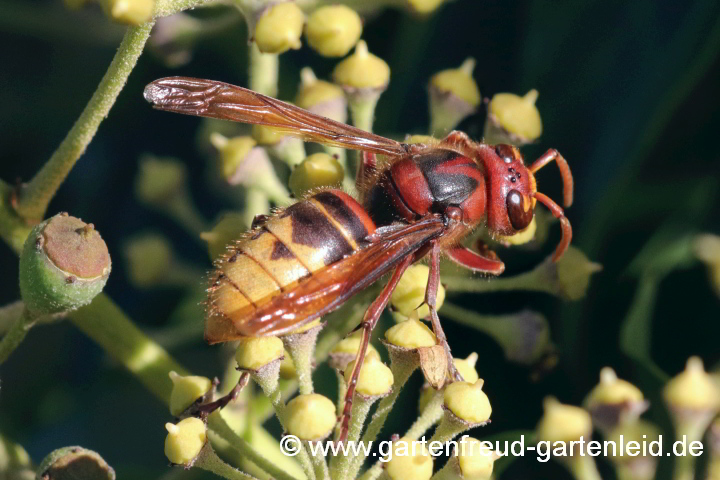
column 159, row 179
column 513, row 119
column 185, row 440
column 229, row 228
column 375, row 377
column 321, row 97
column 454, row 95
column 279, row 28
column 265, row 135
column 317, row 170
column 612, row 390
column 310, row 417
column 410, row 292
column 468, row 402
column 466, row 367
column 287, row 367
column 333, row 30
column 149, row 258
column 707, row 250
column 186, row 391
column 250, row 165
column 64, row 264
column 129, row 12
column 346, row 350
column 692, row 389
column 411, row 333
column 254, row 353
column 474, row 459
column 520, row 238
column 362, row 70
column 614, row 401
column 573, row 273
column 74, row 463
column 409, row 460
column 424, row 6
column 563, row 423
column 232, row 153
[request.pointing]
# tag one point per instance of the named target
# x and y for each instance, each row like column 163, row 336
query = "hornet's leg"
column 368, row 165
column 431, row 301
column 372, row 315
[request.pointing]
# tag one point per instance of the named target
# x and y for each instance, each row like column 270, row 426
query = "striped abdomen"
column 288, row 248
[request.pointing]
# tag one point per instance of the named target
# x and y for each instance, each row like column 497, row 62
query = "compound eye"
column 519, row 217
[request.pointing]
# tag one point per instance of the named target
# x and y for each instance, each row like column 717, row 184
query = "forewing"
column 330, row 287
column 209, row 98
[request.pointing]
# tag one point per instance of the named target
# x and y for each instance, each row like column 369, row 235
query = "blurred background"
column 628, row 92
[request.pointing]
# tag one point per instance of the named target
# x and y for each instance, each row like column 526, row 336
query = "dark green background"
column 628, row 93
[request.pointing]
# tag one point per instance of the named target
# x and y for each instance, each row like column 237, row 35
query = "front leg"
column 431, row 301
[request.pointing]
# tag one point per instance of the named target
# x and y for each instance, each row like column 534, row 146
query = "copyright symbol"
column 290, row 445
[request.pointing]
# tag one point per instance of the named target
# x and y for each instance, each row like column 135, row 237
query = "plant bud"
column 362, row 70
column 310, row 417
column 563, row 423
column 520, row 238
column 185, row 440
column 346, row 350
column 707, row 250
column 333, row 30
column 424, row 7
column 75, row 463
column 692, row 389
column 266, row 136
column 614, row 401
column 317, row 170
column 410, row 334
column 279, row 28
column 473, row 459
column 573, row 273
column 454, row 95
column 63, row 266
column 409, row 294
column 375, row 379
column 287, row 367
column 250, row 165
column 466, row 368
column 159, row 180
column 229, row 228
column 233, row 152
column 468, row 402
column 149, row 258
column 186, row 391
column 254, row 353
column 513, row 119
column 129, row 12
column 409, row 460
column 320, row 97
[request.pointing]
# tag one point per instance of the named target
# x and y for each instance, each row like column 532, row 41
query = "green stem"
column 583, row 467
column 208, row 460
column 341, row 465
column 264, row 69
column 9, row 314
column 401, row 373
column 182, row 210
column 16, row 334
column 219, row 426
column 540, row 279
column 33, row 198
